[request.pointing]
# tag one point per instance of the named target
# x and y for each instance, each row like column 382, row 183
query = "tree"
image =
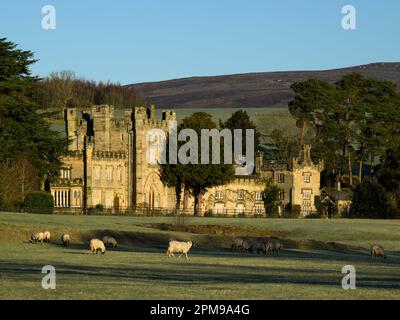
column 173, row 176
column 18, row 178
column 389, row 178
column 271, row 199
column 64, row 88
column 197, row 177
column 286, row 145
column 241, row 120
column 353, row 121
column 24, row 131
column 369, row 200
column 311, row 104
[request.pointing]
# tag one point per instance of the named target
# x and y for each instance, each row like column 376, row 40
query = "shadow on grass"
column 190, row 272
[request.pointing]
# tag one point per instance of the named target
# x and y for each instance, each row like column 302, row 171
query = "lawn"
column 140, row 269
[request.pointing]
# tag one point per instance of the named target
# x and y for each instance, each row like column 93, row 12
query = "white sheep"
column 46, row 236
column 273, row 246
column 65, row 238
column 179, row 247
column 97, row 245
column 237, row 244
column 110, row 241
column 37, row 237
column 377, row 251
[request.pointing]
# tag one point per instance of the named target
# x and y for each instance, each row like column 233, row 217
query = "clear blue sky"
column 150, row 40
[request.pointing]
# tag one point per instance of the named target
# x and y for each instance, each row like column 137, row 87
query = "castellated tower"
column 148, row 190
column 106, row 162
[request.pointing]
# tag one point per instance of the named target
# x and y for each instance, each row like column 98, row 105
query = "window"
column 258, row 195
column 219, row 195
column 240, row 208
column 258, row 209
column 65, row 173
column 282, row 195
column 97, row 172
column 306, row 194
column 109, row 199
column 281, row 177
column 240, row 195
column 307, row 177
column 109, row 173
column 219, row 208
column 119, row 174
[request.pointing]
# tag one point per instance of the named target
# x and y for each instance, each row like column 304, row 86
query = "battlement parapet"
column 105, row 155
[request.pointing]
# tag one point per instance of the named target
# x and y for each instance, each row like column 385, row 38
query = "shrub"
column 292, row 211
column 369, row 200
column 39, row 202
column 208, row 213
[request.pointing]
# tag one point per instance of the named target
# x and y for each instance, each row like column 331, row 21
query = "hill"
column 265, row 89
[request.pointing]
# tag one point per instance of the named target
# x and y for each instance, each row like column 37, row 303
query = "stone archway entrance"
column 152, row 191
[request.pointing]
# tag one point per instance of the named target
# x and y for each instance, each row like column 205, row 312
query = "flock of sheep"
column 271, row 246
column 95, row 245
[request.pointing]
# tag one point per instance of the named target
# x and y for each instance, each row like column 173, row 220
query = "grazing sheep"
column 97, row 245
column 237, row 244
column 65, row 239
column 273, row 246
column 46, row 236
column 377, row 251
column 37, row 237
column 247, row 247
column 110, row 241
column 179, row 247
column 260, row 247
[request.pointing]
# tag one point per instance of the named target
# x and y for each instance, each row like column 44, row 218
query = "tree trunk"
column 22, row 182
column 196, row 203
column 178, row 191
column 350, row 169
column 303, row 133
column 360, row 171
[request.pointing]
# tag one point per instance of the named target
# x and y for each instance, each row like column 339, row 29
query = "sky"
column 153, row 40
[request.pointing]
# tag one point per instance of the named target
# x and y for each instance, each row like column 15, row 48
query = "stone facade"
column 106, row 165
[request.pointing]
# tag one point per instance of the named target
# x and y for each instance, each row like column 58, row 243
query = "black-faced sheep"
column 377, row 251
column 110, row 242
column 179, row 247
column 37, row 237
column 65, row 238
column 97, row 245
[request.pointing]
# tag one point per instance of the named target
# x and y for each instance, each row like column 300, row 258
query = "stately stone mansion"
column 106, row 165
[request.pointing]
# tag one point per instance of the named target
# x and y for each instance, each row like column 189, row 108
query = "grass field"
column 140, row 269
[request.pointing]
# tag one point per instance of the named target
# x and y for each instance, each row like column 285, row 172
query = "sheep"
column 97, row 245
column 260, row 247
column 65, row 238
column 273, row 246
column 247, row 247
column 37, row 237
column 377, row 251
column 179, row 247
column 110, row 241
column 237, row 244
column 46, row 236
